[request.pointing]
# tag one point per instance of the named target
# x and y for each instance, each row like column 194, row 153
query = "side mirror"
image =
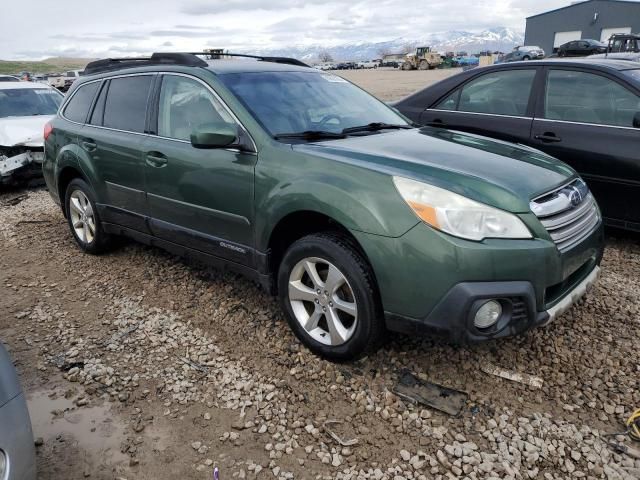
column 215, row 135
column 636, row 120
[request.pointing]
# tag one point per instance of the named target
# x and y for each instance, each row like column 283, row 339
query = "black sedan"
column 584, row 112
column 581, row 48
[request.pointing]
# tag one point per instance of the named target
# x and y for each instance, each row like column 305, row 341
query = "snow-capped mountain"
column 495, row 39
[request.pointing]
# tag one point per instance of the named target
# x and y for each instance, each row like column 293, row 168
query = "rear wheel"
column 526, row 57
column 327, row 292
column 83, row 218
column 424, row 65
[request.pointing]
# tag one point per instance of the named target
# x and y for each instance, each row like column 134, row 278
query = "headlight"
column 458, row 215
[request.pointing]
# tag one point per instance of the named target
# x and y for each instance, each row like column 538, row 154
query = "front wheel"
column 525, row 58
column 83, row 218
column 327, row 291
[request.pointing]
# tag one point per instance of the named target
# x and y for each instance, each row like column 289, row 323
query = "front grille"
column 569, row 214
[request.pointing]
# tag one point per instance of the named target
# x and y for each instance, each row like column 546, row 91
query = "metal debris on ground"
column 332, row 434
column 447, row 400
column 524, row 378
column 14, row 200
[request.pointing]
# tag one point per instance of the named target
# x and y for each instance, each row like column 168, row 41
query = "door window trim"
column 154, row 104
column 531, row 104
column 542, row 94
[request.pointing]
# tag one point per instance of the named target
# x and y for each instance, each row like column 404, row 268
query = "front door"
column 586, row 120
column 199, row 198
column 496, row 104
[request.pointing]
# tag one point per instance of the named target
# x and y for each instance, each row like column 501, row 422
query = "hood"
column 26, row 131
column 501, row 174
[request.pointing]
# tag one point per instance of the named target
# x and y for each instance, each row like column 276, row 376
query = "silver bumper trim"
column 573, row 296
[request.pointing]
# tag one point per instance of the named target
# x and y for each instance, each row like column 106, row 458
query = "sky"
column 36, row 29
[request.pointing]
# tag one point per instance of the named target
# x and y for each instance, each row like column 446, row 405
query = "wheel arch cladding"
column 67, row 174
column 299, row 224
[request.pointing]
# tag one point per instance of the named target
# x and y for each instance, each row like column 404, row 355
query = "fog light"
column 488, row 314
column 3, row 464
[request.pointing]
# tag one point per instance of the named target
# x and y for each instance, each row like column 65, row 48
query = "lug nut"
column 324, row 309
column 331, row 304
column 318, row 291
column 317, row 301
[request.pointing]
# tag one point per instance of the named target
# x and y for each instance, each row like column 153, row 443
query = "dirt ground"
column 392, row 83
column 140, row 365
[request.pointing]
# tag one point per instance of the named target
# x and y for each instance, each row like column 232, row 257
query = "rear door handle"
column 548, row 137
column 88, row 144
column 156, row 159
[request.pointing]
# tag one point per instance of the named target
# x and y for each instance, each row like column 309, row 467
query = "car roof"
column 592, row 62
column 23, row 85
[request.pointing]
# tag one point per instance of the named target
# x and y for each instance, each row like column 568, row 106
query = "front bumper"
column 431, row 282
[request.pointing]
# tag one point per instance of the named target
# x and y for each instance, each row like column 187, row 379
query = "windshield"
column 23, row 102
column 288, row 102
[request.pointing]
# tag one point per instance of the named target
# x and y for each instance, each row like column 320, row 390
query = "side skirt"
column 263, row 279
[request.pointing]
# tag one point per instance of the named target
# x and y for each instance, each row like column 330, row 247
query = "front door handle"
column 548, row 137
column 89, row 145
column 156, row 159
column 436, row 123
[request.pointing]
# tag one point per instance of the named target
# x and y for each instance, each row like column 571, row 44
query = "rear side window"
column 499, row 93
column 78, row 107
column 588, row 98
column 126, row 103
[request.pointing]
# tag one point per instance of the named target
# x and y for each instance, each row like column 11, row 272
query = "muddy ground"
column 140, row 365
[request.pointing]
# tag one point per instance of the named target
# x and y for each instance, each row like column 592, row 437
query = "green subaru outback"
column 357, row 220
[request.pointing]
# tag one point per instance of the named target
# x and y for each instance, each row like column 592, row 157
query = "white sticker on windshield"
column 333, row 78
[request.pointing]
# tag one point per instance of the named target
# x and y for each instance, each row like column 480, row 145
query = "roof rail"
column 189, row 59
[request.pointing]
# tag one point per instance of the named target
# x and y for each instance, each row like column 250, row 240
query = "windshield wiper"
column 374, row 127
column 310, row 135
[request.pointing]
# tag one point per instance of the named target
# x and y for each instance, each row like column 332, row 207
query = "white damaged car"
column 25, row 108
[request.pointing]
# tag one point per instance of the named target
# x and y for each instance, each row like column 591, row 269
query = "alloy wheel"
column 322, row 301
column 82, row 216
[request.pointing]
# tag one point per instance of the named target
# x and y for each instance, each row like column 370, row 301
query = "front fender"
column 357, row 198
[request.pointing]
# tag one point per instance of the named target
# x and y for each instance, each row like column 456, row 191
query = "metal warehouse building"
column 597, row 19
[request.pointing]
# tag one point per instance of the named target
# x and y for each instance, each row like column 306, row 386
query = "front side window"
column 450, row 102
column 583, row 97
column 25, row 102
column 498, row 93
column 126, row 104
column 288, row 102
column 185, row 106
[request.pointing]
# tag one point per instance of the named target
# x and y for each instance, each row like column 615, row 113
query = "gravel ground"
column 139, row 365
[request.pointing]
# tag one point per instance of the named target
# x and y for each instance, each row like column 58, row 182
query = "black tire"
column 526, row 57
column 340, row 252
column 101, row 241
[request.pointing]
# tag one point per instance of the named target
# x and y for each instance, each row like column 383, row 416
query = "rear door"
column 585, row 118
column 498, row 104
column 200, row 198
column 113, row 137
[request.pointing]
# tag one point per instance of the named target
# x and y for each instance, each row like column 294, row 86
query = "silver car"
column 525, row 52
column 17, row 451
